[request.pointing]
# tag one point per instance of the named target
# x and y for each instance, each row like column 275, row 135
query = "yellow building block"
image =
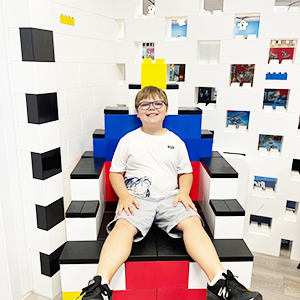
column 67, row 20
column 71, row 295
column 154, row 73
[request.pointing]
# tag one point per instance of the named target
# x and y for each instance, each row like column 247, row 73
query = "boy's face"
column 152, row 115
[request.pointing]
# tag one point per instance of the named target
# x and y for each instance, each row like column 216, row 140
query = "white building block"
column 67, row 75
column 103, row 8
column 260, row 81
column 133, row 73
column 290, row 148
column 34, row 78
column 213, row 119
column 47, row 241
column 92, row 74
column 70, row 126
column 263, row 244
column 207, row 75
column 145, row 30
column 179, row 52
column 270, row 166
column 244, row 51
column 84, row 229
column 187, row 96
column 267, row 207
column 78, row 145
column 104, row 51
column 110, row 29
column 127, row 9
column 46, row 286
column 244, row 6
column 240, row 99
column 171, row 8
column 210, row 27
column 223, row 188
column 278, row 25
column 112, row 74
column 31, row 214
column 284, row 229
column 72, row 282
column 39, row 138
column 57, row 11
column 43, row 192
column 35, row 261
column 242, row 269
column 17, row 17
column 245, row 143
column 288, row 189
column 127, row 52
column 26, row 164
column 295, row 252
column 272, row 123
column 82, row 45
column 293, row 105
column 15, row 44
column 38, row 19
column 78, row 100
column 85, row 189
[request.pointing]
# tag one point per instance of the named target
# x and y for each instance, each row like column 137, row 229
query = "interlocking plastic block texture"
column 47, row 164
column 135, row 295
column 218, row 167
column 88, row 168
column 50, row 263
column 154, row 73
column 276, row 76
column 191, row 294
column 41, row 108
column 104, row 147
column 37, row 45
column 49, row 216
column 230, row 207
column 156, row 274
column 198, row 148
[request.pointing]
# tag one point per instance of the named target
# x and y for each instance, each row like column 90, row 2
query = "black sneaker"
column 229, row 288
column 96, row 291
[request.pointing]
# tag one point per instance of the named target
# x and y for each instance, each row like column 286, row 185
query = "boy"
column 152, row 159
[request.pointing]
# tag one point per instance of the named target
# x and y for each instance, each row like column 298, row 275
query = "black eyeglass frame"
column 152, row 103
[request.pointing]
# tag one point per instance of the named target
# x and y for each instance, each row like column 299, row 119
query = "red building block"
column 157, row 274
column 135, row 295
column 181, row 294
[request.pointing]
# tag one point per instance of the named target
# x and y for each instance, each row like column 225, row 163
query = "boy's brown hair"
column 150, row 91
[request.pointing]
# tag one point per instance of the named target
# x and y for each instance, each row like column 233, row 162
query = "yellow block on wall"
column 71, row 295
column 67, row 20
column 154, row 73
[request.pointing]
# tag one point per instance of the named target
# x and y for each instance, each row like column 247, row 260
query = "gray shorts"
column 158, row 210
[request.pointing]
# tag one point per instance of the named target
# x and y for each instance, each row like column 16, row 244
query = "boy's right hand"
column 126, row 202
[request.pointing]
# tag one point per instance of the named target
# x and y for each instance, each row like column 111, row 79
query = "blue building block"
column 276, row 76
column 104, row 147
column 198, row 148
column 185, row 126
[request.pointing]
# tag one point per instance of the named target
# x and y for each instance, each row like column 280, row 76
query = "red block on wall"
column 181, row 294
column 196, row 171
column 135, row 295
column 157, row 274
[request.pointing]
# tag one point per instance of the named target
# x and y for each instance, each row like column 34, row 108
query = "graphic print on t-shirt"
column 139, row 186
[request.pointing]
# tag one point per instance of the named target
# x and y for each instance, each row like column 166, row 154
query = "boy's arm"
column 125, row 199
column 185, row 184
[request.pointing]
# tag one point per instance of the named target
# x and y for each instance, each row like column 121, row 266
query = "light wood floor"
column 276, row 278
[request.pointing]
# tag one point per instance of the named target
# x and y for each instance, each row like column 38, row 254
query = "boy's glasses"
column 156, row 104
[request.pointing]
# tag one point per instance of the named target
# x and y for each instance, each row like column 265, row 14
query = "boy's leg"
column 199, row 246
column 116, row 249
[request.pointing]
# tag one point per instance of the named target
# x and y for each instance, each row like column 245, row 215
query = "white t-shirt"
column 151, row 163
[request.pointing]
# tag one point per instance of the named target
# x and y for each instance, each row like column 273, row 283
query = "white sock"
column 216, row 278
column 104, row 281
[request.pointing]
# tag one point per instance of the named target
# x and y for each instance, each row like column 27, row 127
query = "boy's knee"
column 191, row 221
column 122, row 224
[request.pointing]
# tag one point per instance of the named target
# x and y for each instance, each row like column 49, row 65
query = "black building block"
column 228, row 207
column 189, row 111
column 41, row 108
column 81, row 252
column 50, row 263
column 51, row 215
column 88, row 154
column 90, row 209
column 145, row 250
column 47, row 164
column 111, row 206
column 99, row 134
column 37, row 45
column 218, row 167
column 87, row 168
column 206, row 134
column 74, row 209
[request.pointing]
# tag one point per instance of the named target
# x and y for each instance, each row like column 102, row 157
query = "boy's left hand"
column 185, row 199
